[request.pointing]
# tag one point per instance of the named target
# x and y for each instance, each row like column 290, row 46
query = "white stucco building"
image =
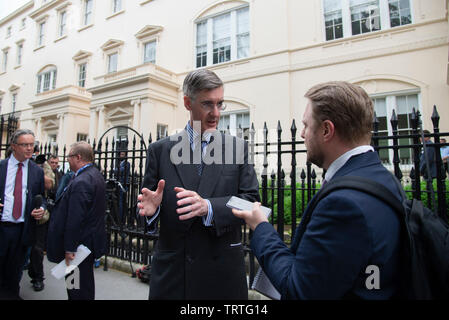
column 74, row 68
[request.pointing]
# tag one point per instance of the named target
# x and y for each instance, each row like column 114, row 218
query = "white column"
column 346, row 18
column 136, row 114
column 101, row 121
column 38, row 129
column 61, row 137
column 93, row 123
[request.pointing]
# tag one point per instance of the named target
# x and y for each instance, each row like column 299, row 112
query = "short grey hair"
column 198, row 80
column 20, row 132
column 84, row 150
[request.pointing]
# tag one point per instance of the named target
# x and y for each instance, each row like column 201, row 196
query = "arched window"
column 46, row 79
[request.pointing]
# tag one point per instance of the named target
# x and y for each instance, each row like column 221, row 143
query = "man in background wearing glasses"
column 199, row 254
column 21, row 180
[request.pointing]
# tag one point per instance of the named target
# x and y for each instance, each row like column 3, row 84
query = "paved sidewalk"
column 109, row 285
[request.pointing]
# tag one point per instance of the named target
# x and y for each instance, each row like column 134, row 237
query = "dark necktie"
column 17, row 209
column 201, row 165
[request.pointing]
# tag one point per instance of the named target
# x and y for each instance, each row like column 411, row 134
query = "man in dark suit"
column 122, row 173
column 352, row 239
column 187, row 184
column 430, row 156
column 21, row 180
column 78, row 218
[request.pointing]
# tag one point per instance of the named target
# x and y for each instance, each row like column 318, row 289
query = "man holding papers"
column 78, row 218
column 350, row 246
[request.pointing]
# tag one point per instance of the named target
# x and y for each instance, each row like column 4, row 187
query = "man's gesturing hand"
column 150, row 200
column 194, row 204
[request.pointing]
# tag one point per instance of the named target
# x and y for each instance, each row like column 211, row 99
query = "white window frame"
column 8, row 31
column 411, row 15
column 80, row 73
column 87, row 18
column 117, row 6
column 391, row 104
column 19, row 55
column 41, row 33
column 110, row 48
column 49, row 76
column 13, row 102
column 233, row 43
column 153, row 41
column 233, row 127
column 5, row 60
column 384, row 14
column 161, row 130
column 62, row 25
column 81, row 136
column 110, row 55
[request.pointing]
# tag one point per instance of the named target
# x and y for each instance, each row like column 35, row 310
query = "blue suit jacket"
column 79, row 217
column 348, row 231
column 35, row 186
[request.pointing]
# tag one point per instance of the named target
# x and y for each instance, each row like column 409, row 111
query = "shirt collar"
column 194, row 136
column 15, row 161
column 341, row 160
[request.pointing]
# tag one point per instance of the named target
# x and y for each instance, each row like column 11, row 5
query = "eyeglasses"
column 26, row 145
column 209, row 105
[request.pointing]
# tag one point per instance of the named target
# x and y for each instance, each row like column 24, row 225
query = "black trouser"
column 86, row 289
column 12, row 257
column 36, row 266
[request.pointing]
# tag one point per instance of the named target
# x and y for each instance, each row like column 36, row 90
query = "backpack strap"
column 362, row 184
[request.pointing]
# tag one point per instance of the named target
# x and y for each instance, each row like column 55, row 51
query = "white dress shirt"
column 341, row 160
column 8, row 202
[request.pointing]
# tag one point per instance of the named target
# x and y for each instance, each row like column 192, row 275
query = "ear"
column 188, row 103
column 328, row 130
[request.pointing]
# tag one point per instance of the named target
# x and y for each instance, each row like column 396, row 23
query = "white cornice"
column 81, row 55
column 148, row 31
column 35, row 15
column 19, row 11
column 111, row 44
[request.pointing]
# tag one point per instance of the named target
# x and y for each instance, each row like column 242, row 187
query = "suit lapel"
column 28, row 197
column 186, row 171
column 3, row 171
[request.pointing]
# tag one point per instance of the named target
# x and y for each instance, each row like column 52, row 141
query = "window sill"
column 60, row 38
column 2, row 73
column 235, row 62
column 86, row 27
column 38, row 48
column 145, row 2
column 18, row 66
column 115, row 14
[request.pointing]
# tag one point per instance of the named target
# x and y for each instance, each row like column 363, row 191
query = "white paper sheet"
column 61, row 269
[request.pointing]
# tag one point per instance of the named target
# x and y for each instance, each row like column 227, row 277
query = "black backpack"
column 424, row 239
